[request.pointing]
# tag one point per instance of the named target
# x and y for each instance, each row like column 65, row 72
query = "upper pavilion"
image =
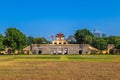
column 60, row 39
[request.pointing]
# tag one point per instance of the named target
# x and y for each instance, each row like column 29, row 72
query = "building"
column 61, row 46
column 7, row 50
column 60, row 39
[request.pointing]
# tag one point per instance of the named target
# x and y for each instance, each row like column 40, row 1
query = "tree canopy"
column 38, row 40
column 15, row 39
column 99, row 43
column 83, row 35
column 41, row 40
column 115, row 40
column 71, row 39
column 1, row 42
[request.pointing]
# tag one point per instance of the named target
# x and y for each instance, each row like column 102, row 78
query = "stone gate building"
column 61, row 46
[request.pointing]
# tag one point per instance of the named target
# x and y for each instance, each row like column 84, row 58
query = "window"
column 64, row 42
column 60, row 43
column 55, row 43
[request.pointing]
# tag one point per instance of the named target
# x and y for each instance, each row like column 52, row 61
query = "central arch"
column 66, row 51
column 80, row 51
column 40, row 52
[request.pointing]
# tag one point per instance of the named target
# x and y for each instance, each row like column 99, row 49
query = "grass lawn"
column 87, row 58
column 60, row 67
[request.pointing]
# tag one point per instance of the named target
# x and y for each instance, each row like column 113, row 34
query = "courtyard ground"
column 60, row 67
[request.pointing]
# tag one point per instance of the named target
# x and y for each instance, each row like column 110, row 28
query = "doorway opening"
column 80, row 51
column 65, row 51
column 40, row 52
column 111, row 51
column 9, row 51
column 54, row 53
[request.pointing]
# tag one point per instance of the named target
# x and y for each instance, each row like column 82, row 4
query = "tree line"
column 17, row 40
column 84, row 36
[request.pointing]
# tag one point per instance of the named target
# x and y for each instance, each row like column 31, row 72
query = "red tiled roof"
column 60, row 35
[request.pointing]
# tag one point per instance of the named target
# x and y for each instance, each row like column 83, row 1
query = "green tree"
column 83, row 35
column 15, row 39
column 88, row 39
column 115, row 40
column 40, row 41
column 30, row 40
column 112, row 39
column 100, row 43
column 1, row 42
column 71, row 39
column 117, row 45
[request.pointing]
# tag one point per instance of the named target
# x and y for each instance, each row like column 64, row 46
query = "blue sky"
column 41, row 18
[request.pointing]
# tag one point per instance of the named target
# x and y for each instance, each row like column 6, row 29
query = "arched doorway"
column 66, row 51
column 111, row 51
column 80, row 51
column 9, row 51
column 40, row 52
column 54, row 52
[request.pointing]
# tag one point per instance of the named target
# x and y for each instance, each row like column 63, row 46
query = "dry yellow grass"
column 59, row 70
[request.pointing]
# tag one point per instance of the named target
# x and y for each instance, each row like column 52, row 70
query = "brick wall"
column 59, row 49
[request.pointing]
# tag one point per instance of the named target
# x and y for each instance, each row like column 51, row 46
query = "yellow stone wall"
column 59, row 42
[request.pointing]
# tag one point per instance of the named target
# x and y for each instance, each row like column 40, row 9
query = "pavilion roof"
column 60, row 35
